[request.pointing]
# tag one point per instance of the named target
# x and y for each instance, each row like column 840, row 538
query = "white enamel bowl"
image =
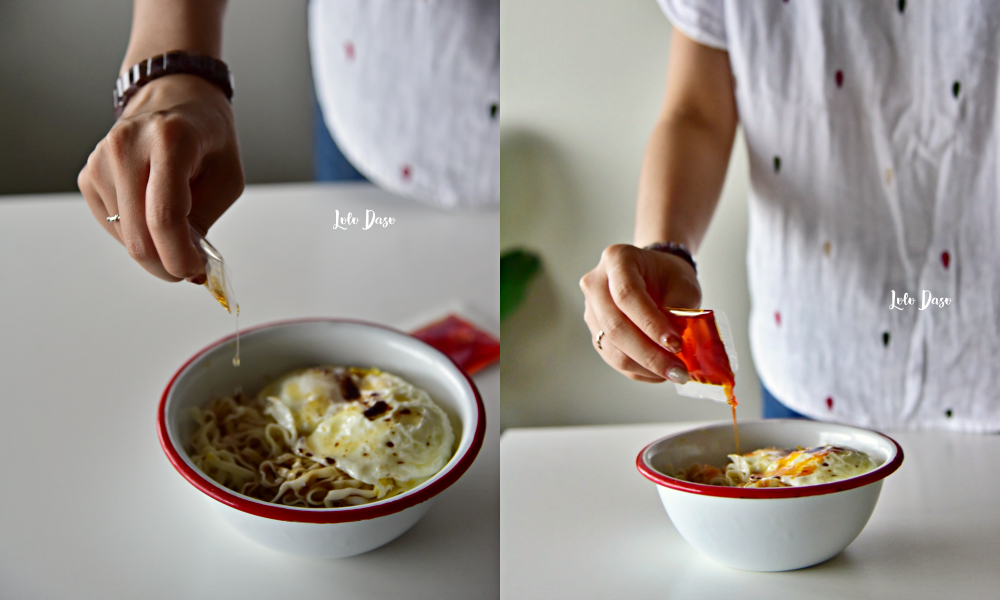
column 271, row 350
column 767, row 529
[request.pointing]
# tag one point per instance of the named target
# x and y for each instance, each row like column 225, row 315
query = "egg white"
column 302, row 399
column 408, row 438
column 393, row 432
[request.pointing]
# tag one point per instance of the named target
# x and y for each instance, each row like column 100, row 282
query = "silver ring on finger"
column 597, row 340
column 114, row 218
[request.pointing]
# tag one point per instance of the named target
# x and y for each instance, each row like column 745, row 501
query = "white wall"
column 59, row 61
column 581, row 83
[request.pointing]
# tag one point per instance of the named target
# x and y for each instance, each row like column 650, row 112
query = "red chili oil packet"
column 707, row 352
column 470, row 347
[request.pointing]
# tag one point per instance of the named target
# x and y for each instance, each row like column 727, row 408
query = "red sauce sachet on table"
column 470, row 347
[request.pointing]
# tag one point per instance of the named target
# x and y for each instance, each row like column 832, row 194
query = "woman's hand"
column 171, row 160
column 624, row 295
column 682, row 175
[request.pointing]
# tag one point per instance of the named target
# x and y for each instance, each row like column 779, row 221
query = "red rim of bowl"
column 876, row 474
column 280, row 512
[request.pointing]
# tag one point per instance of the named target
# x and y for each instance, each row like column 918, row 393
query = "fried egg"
column 301, row 400
column 777, row 467
column 374, row 426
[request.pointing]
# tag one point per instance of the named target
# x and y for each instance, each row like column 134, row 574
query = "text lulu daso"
column 371, row 220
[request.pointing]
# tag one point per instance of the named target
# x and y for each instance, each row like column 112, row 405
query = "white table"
column 578, row 521
column 89, row 505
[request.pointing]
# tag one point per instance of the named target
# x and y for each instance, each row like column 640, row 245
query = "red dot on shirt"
column 945, row 259
column 349, row 50
column 829, row 403
column 777, row 318
column 840, row 78
column 405, row 172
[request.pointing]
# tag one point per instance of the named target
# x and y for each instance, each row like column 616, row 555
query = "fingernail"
column 672, row 343
column 198, row 279
column 678, row 375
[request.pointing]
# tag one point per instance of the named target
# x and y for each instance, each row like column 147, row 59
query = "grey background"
column 59, row 61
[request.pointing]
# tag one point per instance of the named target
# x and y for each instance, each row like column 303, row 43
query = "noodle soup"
column 779, row 467
column 324, row 437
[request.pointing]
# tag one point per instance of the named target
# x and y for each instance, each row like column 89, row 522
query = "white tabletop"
column 578, row 521
column 89, row 505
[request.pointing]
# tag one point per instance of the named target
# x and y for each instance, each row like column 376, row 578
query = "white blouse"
column 872, row 134
column 410, row 91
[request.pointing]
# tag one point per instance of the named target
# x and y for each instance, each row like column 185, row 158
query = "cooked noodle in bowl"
column 381, row 453
column 324, row 437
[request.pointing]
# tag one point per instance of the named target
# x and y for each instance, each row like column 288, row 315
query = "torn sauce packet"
column 470, row 347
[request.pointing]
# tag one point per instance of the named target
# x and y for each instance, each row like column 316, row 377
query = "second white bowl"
column 768, row 529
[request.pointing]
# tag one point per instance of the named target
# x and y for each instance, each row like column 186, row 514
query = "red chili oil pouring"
column 704, row 354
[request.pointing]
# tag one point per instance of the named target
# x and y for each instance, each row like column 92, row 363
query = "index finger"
column 628, row 289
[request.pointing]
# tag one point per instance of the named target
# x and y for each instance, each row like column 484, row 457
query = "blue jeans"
column 774, row 409
column 329, row 163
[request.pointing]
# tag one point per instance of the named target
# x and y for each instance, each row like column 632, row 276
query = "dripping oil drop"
column 236, row 359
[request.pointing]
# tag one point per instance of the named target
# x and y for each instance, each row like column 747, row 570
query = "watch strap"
column 678, row 250
column 171, row 63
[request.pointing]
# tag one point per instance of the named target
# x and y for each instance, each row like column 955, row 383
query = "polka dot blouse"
column 874, row 243
column 410, row 91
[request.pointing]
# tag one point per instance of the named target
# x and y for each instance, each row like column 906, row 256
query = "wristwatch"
column 171, row 63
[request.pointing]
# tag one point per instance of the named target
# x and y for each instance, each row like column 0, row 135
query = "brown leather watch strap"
column 171, row 63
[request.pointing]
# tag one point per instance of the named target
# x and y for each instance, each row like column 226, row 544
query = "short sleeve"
column 704, row 21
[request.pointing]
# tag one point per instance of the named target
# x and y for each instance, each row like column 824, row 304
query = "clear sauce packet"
column 218, row 282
